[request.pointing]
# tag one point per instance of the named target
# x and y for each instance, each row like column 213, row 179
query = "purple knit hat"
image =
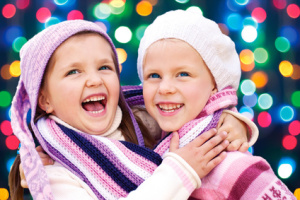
column 35, row 55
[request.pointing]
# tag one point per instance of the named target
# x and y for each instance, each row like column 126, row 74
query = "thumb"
column 174, row 143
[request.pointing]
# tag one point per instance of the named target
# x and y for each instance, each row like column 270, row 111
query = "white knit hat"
column 216, row 49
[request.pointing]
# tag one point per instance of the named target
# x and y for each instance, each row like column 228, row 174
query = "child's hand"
column 204, row 153
column 46, row 160
column 237, row 132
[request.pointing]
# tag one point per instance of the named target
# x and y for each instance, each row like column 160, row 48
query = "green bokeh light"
column 296, row 98
column 261, row 55
column 282, row 44
column 18, row 43
column 5, row 98
column 139, row 32
column 102, row 11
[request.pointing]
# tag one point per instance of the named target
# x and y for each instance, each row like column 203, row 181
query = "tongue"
column 93, row 106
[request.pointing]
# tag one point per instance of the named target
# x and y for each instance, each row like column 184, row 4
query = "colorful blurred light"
column 250, row 100
column 18, row 43
column 260, row 79
column 286, row 167
column 259, row 14
column 5, row 98
column 9, row 163
column 144, row 8
column 260, row 55
column 5, row 74
column 297, row 193
column 15, row 69
column 289, row 142
column 294, row 127
column 122, row 55
column 4, row 194
column 286, row 113
column 182, row 1
column 5, row 127
column 249, row 34
column 282, row 44
column 8, row 11
column 242, row 2
column 234, row 21
column 247, row 111
column 279, row 4
column 60, row 2
column 12, row 142
column 123, row 34
column 246, row 56
column 296, row 72
column 295, row 98
column 293, row 11
column 51, row 21
column 247, row 68
column 286, row 68
column 250, row 21
column 12, row 33
column 117, row 6
column 139, row 32
column 247, row 87
column 264, row 119
column 265, row 101
column 290, row 33
column 75, row 14
column 102, row 11
column 43, row 14
column 22, row 4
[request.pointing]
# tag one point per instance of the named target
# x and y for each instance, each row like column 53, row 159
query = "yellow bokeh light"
column 117, row 3
column 144, row 8
column 15, row 69
column 247, row 56
column 260, row 79
column 5, row 74
column 122, row 55
column 286, row 68
column 297, row 193
column 4, row 194
column 296, row 72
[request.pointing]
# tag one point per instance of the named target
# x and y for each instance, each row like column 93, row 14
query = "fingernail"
column 225, row 133
column 51, row 161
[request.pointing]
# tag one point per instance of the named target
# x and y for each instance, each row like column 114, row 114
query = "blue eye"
column 104, row 68
column 72, row 72
column 183, row 74
column 154, row 76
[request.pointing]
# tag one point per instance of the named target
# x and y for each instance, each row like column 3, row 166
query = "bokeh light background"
column 267, row 37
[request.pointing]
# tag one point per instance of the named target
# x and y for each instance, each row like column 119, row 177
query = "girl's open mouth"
column 95, row 104
column 169, row 107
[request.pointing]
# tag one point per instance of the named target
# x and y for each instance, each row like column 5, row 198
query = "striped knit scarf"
column 114, row 168
column 109, row 167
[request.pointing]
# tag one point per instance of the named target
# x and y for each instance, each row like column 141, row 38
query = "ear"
column 44, row 102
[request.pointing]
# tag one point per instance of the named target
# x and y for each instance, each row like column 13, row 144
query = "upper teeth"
column 94, row 99
column 169, row 107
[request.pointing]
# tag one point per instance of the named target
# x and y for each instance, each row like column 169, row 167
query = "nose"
column 94, row 79
column 166, row 86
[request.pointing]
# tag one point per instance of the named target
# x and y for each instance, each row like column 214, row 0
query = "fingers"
column 215, row 151
column 217, row 160
column 198, row 141
column 22, row 175
column 213, row 142
column 174, row 143
column 244, row 147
